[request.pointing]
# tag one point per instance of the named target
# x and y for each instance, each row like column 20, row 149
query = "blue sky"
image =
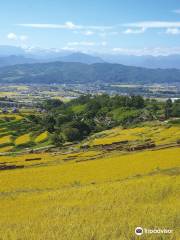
column 111, row 26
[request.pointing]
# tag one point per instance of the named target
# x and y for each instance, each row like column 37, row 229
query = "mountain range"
column 48, row 66
column 11, row 55
column 80, row 73
column 170, row 61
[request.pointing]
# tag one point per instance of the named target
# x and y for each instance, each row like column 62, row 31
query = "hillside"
column 14, row 60
column 61, row 72
column 88, row 119
column 97, row 161
column 105, row 191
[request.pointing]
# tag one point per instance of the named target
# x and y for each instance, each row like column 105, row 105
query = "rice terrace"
column 55, row 182
column 89, row 120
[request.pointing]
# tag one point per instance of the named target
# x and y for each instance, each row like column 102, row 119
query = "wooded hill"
column 69, row 73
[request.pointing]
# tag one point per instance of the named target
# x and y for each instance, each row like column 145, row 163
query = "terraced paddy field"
column 87, row 194
column 159, row 133
column 100, row 189
column 17, row 133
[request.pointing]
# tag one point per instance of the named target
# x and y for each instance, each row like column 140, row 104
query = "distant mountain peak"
column 82, row 58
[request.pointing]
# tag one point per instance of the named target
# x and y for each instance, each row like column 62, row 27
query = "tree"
column 137, row 102
column 168, row 108
column 57, row 139
column 176, row 108
column 34, row 118
column 83, row 128
column 71, row 134
column 93, row 106
column 152, row 107
column 49, row 123
column 51, row 104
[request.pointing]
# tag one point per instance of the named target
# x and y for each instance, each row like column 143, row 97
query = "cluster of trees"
column 76, row 119
column 172, row 109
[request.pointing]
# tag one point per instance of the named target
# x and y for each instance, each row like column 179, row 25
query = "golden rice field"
column 162, row 134
column 42, row 137
column 6, row 149
column 23, row 139
column 91, row 193
column 9, row 115
column 159, row 133
column 12, row 139
column 5, row 139
column 103, row 198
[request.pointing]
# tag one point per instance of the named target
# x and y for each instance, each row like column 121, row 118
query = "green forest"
column 78, row 118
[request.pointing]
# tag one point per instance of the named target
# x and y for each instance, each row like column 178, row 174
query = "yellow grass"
column 16, row 116
column 101, row 199
column 42, row 137
column 161, row 135
column 23, row 139
column 166, row 135
column 6, row 149
column 105, row 211
column 5, row 139
column 113, row 167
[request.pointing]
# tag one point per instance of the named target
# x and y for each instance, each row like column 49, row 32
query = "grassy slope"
column 90, row 194
column 101, row 199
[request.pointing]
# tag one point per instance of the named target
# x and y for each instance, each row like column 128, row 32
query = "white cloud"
column 15, row 37
column 88, row 33
column 173, row 31
column 103, row 31
column 68, row 48
column 156, row 51
column 81, row 43
column 134, row 31
column 12, row 36
column 87, row 44
column 70, row 25
column 153, row 24
column 104, row 34
column 23, row 38
column 66, row 25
